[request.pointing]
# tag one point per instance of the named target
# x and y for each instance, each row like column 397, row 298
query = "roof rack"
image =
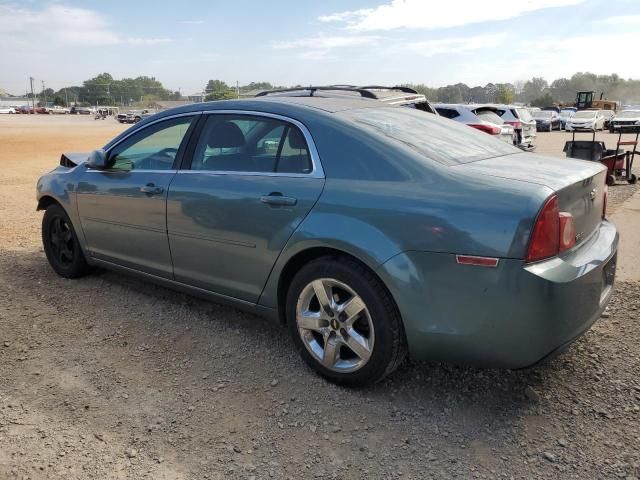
column 379, row 87
column 313, row 89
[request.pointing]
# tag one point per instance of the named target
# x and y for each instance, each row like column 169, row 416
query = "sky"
column 286, row 42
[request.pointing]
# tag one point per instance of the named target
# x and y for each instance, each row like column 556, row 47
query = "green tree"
column 504, row 93
column 533, row 89
column 218, row 90
column 545, row 100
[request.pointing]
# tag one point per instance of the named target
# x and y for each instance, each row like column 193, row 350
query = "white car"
column 586, row 120
column 7, row 109
column 627, row 120
column 59, row 110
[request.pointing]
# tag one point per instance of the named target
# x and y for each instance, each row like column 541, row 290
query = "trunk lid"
column 579, row 185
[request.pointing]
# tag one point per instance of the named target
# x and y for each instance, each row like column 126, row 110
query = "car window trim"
column 181, row 150
column 316, row 171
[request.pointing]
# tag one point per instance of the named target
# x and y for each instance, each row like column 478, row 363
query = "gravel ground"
column 109, row 377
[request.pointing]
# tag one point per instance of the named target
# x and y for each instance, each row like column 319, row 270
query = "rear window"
column 447, row 142
column 489, row 116
column 524, row 114
column 448, row 112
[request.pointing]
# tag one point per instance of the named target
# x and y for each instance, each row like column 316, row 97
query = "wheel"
column 611, row 180
column 344, row 322
column 61, row 244
column 632, row 179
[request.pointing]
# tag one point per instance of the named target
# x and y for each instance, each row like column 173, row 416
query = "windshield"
column 629, row 114
column 585, row 114
column 566, row 113
column 543, row 114
column 433, row 137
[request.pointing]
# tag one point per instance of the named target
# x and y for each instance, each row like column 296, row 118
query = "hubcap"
column 335, row 325
column 61, row 240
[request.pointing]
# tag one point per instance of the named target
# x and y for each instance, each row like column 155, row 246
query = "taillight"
column 553, row 232
column 515, row 124
column 490, row 129
column 604, row 202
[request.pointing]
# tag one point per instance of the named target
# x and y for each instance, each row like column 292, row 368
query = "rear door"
column 248, row 183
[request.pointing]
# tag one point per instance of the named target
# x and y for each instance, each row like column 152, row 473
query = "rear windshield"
column 434, row 137
column 524, row 114
column 489, row 116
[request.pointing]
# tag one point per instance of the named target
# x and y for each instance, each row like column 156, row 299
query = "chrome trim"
column 95, row 170
column 317, row 170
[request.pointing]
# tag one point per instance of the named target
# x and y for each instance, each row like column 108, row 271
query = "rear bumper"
column 511, row 316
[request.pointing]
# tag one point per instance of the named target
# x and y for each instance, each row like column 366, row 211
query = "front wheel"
column 632, row 179
column 61, row 244
column 344, row 322
column 611, row 180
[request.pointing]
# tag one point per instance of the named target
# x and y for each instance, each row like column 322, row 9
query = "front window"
column 433, row 137
column 524, row 114
column 153, row 148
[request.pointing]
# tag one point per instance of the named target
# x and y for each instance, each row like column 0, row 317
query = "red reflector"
column 545, row 238
column 515, row 124
column 480, row 261
column 490, row 129
column 567, row 231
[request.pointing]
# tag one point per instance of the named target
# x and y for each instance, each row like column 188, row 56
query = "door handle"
column 278, row 200
column 151, row 189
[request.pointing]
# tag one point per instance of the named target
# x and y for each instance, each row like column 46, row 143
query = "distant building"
column 11, row 101
column 197, row 97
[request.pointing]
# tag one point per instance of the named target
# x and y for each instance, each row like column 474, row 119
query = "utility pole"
column 237, row 89
column 33, row 99
column 66, row 97
column 44, row 95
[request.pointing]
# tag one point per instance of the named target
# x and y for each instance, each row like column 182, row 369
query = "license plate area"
column 608, row 278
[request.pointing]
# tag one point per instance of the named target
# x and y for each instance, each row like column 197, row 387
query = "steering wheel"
column 168, row 152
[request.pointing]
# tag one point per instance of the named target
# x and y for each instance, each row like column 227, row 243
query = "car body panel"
column 236, row 236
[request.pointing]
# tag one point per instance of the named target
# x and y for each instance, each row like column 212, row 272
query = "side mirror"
column 97, row 160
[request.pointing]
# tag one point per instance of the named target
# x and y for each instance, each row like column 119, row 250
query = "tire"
column 378, row 324
column 61, row 244
column 611, row 180
column 632, row 179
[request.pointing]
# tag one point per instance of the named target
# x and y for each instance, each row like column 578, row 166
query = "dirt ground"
column 108, row 377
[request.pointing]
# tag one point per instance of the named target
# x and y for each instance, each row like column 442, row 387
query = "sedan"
column 7, row 109
column 547, row 121
column 483, row 118
column 371, row 231
column 625, row 121
column 591, row 120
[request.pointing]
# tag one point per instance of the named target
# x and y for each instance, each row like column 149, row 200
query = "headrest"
column 225, row 135
column 296, row 140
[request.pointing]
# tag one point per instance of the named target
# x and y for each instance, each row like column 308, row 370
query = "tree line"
column 537, row 91
column 103, row 89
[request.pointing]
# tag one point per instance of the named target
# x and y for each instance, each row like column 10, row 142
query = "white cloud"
column 432, row 15
column 61, row 26
column 323, row 46
column 621, row 20
column 429, row 48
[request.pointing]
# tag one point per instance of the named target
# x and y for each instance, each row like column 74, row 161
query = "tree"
column 57, row 100
column 504, row 93
column 218, row 90
column 533, row 89
column 545, row 100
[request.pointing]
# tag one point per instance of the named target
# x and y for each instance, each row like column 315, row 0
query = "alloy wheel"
column 335, row 325
column 61, row 240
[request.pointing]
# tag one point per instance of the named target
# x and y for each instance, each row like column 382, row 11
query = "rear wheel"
column 344, row 322
column 632, row 179
column 61, row 244
column 611, row 180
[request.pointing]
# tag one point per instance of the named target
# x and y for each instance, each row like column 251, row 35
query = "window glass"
column 431, row 136
column 244, row 143
column 490, row 116
column 153, row 148
column 447, row 112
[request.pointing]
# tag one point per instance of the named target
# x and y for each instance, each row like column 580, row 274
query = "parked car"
column 371, row 230
column 522, row 122
column 533, row 110
column 398, row 95
column 77, row 110
column 586, row 120
column 56, row 109
column 4, row 109
column 565, row 114
column 608, row 116
column 625, row 121
column 132, row 116
column 43, row 110
column 481, row 117
column 547, row 120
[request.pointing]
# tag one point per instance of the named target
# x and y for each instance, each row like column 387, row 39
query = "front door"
column 123, row 208
column 251, row 181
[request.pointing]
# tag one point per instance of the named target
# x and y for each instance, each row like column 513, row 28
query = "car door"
column 249, row 181
column 123, row 208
